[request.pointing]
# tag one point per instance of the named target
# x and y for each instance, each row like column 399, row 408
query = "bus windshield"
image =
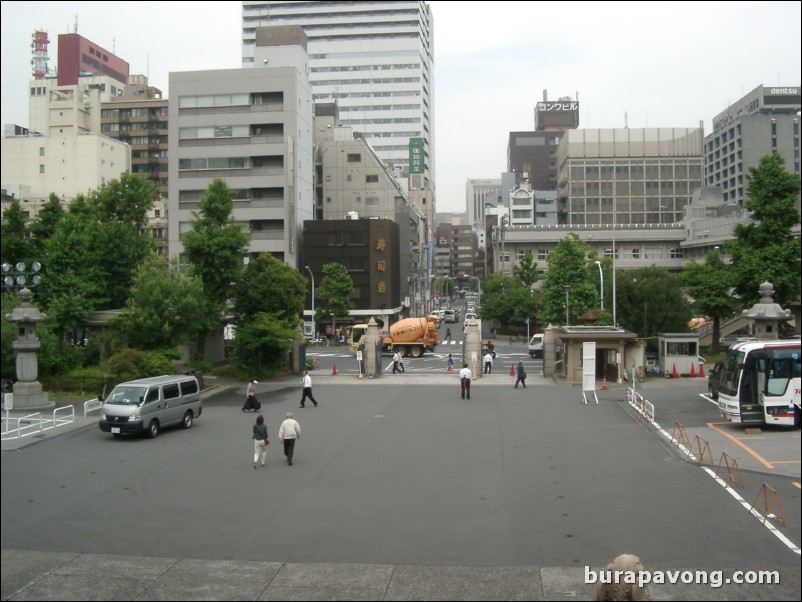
column 731, row 377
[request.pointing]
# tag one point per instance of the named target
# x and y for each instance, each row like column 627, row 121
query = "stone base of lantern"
column 29, row 396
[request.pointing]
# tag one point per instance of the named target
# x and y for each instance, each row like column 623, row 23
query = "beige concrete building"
column 628, row 176
column 253, row 129
column 35, row 166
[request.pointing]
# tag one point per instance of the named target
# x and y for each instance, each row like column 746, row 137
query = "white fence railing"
column 642, row 405
column 33, row 424
column 92, row 405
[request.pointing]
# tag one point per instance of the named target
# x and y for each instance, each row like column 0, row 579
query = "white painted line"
column 790, row 544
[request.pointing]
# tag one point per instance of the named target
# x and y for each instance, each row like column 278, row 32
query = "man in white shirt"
column 465, row 377
column 488, row 363
column 398, row 365
column 307, row 385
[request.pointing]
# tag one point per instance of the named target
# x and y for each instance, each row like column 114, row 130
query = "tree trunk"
column 716, row 335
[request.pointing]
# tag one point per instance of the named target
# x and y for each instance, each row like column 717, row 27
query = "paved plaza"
column 399, row 490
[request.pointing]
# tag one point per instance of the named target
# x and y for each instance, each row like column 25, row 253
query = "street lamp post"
column 505, row 220
column 567, row 288
column 313, row 299
column 601, row 284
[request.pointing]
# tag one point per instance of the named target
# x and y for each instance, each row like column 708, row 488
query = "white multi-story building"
column 374, row 59
column 35, row 166
column 764, row 121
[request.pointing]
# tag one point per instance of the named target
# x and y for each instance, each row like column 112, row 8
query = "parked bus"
column 760, row 383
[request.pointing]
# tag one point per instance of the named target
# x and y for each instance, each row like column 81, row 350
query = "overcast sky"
column 661, row 64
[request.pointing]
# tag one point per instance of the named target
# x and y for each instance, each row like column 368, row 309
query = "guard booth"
column 614, row 349
column 680, row 350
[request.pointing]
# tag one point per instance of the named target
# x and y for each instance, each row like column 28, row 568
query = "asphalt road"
column 401, row 472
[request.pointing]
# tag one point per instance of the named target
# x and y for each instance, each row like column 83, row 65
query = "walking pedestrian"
column 448, row 334
column 288, row 433
column 251, row 403
column 488, row 363
column 465, row 377
column 450, row 364
column 307, row 386
column 260, row 441
column 521, row 372
column 398, row 365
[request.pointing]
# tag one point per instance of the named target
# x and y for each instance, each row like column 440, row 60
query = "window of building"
column 372, row 179
column 41, row 169
column 354, row 157
column 357, row 239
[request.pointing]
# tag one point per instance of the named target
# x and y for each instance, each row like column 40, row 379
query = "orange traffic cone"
column 512, row 369
column 701, row 370
column 334, row 369
column 604, row 383
column 693, row 371
column 674, row 372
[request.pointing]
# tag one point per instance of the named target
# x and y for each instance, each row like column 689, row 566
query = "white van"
column 149, row 404
column 536, row 346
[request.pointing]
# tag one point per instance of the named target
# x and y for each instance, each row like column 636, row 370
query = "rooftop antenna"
column 76, row 23
column 626, row 120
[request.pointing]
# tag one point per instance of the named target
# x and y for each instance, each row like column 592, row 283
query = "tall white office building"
column 374, row 59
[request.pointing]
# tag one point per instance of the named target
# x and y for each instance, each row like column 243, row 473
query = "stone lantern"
column 28, row 392
column 766, row 314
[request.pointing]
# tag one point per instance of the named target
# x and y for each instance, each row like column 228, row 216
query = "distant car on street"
column 535, row 346
column 714, row 379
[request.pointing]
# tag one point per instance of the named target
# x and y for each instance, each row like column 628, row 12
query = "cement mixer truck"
column 409, row 337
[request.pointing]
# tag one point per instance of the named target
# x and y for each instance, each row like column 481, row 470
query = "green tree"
column 709, row 284
column 165, row 307
column 268, row 302
column 262, row 342
column 526, row 269
column 568, row 266
column 15, row 245
column 215, row 248
column 765, row 249
column 121, row 207
column 335, row 292
column 507, row 301
column 10, row 301
column 46, row 223
column 272, row 287
column 73, row 278
column 125, row 200
column 216, row 244
column 651, row 300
